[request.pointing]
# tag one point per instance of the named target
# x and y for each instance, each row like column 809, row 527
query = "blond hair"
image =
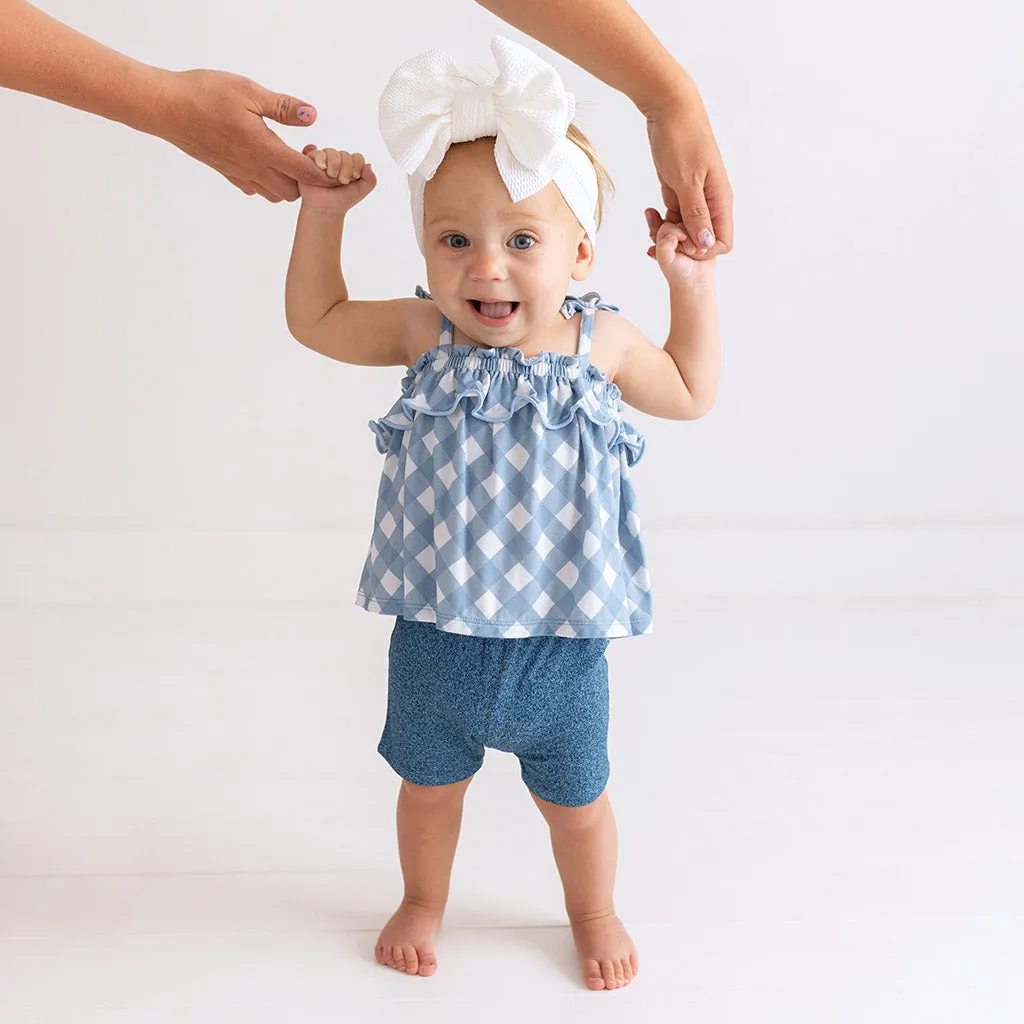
column 605, row 185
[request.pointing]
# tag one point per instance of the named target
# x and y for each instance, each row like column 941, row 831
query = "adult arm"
column 213, row 116
column 611, row 41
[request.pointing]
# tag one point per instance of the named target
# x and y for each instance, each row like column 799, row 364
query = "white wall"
column 162, row 436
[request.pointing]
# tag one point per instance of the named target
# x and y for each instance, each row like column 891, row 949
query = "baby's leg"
column 429, row 818
column 585, row 844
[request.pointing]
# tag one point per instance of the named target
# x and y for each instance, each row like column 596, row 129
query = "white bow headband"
column 429, row 105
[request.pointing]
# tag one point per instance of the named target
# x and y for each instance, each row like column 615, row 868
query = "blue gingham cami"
column 505, row 506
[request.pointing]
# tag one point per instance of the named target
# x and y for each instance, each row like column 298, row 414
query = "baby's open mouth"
column 494, row 310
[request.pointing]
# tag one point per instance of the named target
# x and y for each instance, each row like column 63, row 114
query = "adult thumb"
column 284, row 109
column 696, row 217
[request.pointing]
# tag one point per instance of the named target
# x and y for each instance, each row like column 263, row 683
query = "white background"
column 186, row 496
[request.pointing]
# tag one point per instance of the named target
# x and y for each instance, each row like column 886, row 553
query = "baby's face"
column 497, row 269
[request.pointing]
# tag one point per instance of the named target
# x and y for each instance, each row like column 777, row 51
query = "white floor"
column 819, row 808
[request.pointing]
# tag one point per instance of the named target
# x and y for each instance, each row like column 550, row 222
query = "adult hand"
column 694, row 185
column 217, row 117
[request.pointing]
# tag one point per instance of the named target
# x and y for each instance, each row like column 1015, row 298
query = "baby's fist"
column 354, row 176
column 670, row 241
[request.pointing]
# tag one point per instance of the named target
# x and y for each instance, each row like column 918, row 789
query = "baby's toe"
column 411, row 960
column 428, row 964
column 608, row 973
column 593, row 975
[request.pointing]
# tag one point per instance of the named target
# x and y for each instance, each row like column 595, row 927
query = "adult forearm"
column 693, row 342
column 40, row 55
column 315, row 282
column 607, row 38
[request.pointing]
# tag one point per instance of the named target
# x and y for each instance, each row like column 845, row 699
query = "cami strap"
column 447, row 334
column 586, row 305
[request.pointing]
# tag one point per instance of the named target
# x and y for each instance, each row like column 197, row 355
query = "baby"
column 506, row 541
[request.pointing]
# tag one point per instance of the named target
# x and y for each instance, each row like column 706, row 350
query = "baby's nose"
column 488, row 264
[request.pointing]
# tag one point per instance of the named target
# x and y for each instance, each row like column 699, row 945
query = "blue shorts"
column 542, row 698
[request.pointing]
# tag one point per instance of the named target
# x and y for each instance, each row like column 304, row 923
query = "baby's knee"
column 574, row 819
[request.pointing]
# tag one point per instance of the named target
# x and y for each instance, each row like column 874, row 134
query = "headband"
column 429, row 105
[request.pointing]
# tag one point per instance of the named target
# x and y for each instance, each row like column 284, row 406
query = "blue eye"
column 456, row 241
column 522, row 242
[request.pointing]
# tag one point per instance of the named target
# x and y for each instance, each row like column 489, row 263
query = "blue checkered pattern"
column 505, row 505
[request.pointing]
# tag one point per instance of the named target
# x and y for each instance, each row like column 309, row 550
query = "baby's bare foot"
column 407, row 941
column 608, row 956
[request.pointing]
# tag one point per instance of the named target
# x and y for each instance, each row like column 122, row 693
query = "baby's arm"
column 679, row 381
column 318, row 310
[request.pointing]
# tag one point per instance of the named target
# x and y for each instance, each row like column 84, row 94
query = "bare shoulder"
column 614, row 337
column 424, row 327
column 414, row 322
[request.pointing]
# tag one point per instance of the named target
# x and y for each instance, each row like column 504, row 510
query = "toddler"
column 506, row 541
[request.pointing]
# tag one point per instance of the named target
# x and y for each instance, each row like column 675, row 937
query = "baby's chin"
column 512, row 334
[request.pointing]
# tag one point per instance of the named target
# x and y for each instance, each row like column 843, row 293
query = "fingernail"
column 706, row 237
column 305, row 113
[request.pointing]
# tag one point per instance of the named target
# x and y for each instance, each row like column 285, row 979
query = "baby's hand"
column 679, row 269
column 354, row 175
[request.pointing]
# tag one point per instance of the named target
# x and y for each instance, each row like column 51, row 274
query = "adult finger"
column 695, row 215
column 715, row 196
column 285, row 109
column 254, row 188
column 278, row 185
column 251, row 188
column 719, row 196
column 242, row 185
column 281, row 107
column 284, row 160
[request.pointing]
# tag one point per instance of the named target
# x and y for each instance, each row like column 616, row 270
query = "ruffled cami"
column 505, row 506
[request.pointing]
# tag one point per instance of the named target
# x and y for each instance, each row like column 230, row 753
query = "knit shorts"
column 542, row 698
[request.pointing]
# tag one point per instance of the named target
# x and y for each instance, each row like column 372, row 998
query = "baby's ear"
column 584, row 259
